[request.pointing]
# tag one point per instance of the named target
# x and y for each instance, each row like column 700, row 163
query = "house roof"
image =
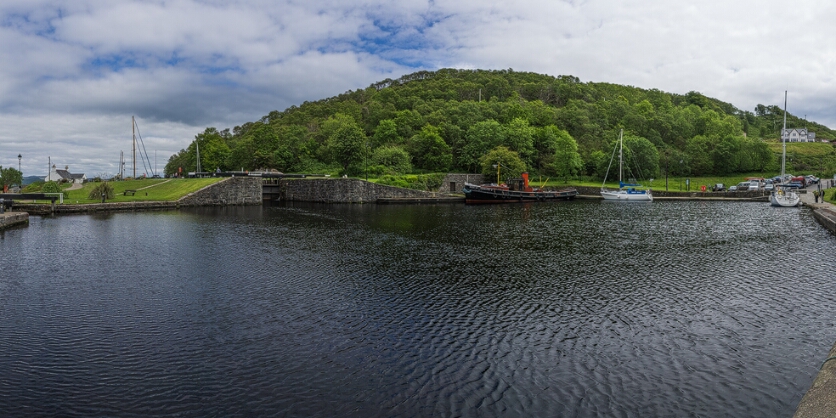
column 64, row 174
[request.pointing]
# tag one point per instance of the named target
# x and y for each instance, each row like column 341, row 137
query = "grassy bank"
column 165, row 190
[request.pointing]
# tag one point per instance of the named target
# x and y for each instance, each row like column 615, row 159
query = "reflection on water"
column 565, row 309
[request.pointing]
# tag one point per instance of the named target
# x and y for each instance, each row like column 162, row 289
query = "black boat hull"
column 477, row 194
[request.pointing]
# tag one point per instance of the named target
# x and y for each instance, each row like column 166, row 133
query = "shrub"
column 102, row 191
column 51, row 187
column 427, row 182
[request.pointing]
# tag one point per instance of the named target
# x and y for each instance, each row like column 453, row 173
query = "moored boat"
column 516, row 190
column 626, row 191
column 784, row 196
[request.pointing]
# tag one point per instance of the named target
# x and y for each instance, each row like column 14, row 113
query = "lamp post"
column 20, row 184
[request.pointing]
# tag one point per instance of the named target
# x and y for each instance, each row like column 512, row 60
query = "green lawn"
column 146, row 190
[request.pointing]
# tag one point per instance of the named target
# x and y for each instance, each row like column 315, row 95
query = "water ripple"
column 576, row 309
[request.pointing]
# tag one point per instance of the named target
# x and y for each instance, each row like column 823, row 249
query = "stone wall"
column 10, row 219
column 230, row 191
column 457, row 182
column 345, row 191
column 827, row 218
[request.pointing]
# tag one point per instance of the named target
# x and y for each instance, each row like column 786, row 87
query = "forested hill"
column 450, row 120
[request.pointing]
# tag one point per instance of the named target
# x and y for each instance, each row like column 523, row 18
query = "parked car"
column 769, row 186
column 733, row 188
column 742, row 186
column 719, row 187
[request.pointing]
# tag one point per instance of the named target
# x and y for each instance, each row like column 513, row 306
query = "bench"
column 129, row 192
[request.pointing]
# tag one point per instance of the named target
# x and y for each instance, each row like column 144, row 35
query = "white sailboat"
column 784, row 196
column 626, row 192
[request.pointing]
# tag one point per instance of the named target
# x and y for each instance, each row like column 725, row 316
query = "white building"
column 798, row 135
column 64, row 175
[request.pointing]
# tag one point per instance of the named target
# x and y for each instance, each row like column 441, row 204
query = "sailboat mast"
column 784, row 140
column 620, row 154
column 133, row 144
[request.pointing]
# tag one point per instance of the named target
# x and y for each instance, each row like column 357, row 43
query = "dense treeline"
column 466, row 120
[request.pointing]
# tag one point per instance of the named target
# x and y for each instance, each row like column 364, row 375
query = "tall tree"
column 503, row 161
column 519, row 137
column 481, row 138
column 346, row 141
column 567, row 161
column 429, row 151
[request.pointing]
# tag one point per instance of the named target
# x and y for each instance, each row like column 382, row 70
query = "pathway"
column 148, row 187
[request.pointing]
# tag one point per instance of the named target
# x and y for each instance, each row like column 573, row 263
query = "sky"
column 72, row 74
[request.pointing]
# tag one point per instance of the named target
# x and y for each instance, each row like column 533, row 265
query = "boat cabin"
column 520, row 184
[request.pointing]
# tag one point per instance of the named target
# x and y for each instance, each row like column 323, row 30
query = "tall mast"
column 784, row 140
column 133, row 135
column 620, row 153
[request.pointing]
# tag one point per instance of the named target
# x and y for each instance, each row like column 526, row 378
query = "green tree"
column 293, row 146
column 386, row 134
column 395, row 159
column 214, row 153
column 429, row 151
column 698, row 155
column 567, row 161
column 641, row 158
column 725, row 155
column 480, row 138
column 501, row 159
column 346, row 141
column 10, row 176
column 519, row 137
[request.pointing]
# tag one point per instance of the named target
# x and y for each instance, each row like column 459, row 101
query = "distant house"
column 798, row 135
column 64, row 175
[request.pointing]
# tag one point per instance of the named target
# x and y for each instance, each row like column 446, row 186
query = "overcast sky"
column 73, row 73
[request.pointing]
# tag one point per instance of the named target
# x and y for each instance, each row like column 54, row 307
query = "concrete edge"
column 819, row 401
column 10, row 219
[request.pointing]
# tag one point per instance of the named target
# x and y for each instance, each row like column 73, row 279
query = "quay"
column 820, row 399
column 10, row 219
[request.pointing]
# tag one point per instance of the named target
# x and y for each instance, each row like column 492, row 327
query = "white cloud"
column 72, row 73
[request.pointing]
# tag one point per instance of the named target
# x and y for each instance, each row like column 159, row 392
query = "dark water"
column 574, row 309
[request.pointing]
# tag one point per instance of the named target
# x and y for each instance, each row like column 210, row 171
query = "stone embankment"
column 227, row 192
column 10, row 219
column 345, row 190
column 819, row 401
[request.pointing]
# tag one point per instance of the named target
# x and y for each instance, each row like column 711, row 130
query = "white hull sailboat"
column 784, row 196
column 626, row 192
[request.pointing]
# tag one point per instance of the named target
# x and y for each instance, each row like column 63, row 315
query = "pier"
column 10, row 219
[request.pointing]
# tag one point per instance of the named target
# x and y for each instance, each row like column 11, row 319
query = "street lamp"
column 20, row 183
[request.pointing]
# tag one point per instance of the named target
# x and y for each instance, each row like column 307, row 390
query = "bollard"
column 2, row 206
